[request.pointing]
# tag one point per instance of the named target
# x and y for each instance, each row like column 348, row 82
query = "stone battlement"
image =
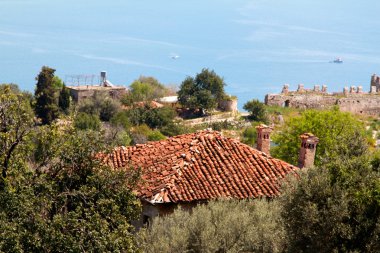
column 351, row 99
column 316, row 90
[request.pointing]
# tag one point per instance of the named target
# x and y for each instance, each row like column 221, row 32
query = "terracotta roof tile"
column 200, row 166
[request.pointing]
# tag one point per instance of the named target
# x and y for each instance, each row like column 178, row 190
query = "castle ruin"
column 351, row 99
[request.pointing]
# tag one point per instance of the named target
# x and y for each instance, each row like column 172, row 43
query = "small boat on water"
column 338, row 60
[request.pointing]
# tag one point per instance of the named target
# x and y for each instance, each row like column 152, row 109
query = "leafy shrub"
column 102, row 106
column 85, row 121
column 250, row 136
column 155, row 135
column 153, row 117
column 222, row 125
column 257, row 110
column 219, row 226
column 333, row 209
column 121, row 119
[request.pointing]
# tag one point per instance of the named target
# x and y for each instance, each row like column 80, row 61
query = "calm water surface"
column 257, row 46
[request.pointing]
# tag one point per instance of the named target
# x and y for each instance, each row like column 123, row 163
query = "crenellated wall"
column 352, row 99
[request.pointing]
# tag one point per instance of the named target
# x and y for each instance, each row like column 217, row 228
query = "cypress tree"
column 64, row 99
column 46, row 106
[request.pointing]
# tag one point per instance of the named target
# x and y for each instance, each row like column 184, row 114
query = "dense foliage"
column 16, row 122
column 46, row 105
column 84, row 121
column 153, row 117
column 334, row 208
column 203, row 92
column 256, row 110
column 219, row 226
column 335, row 129
column 145, row 89
column 64, row 99
column 54, row 196
column 100, row 105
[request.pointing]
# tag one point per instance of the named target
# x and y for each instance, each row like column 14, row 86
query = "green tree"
column 64, row 99
column 85, row 121
column 145, row 89
column 153, row 117
column 57, row 83
column 102, row 106
column 336, row 131
column 219, row 226
column 116, row 133
column 335, row 208
column 121, row 119
column 46, row 105
column 257, row 110
column 72, row 203
column 250, row 136
column 16, row 122
column 175, row 128
column 155, row 135
column 204, row 91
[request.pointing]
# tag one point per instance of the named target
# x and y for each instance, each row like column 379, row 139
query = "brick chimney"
column 263, row 138
column 307, row 151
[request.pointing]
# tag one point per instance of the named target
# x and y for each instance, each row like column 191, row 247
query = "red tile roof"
column 201, row 166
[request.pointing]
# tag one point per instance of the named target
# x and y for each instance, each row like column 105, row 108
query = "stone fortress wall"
column 352, row 99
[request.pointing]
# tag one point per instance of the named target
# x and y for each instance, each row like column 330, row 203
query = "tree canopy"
column 16, row 122
column 54, row 196
column 46, row 105
column 64, row 99
column 335, row 129
column 204, row 91
column 334, row 208
column 145, row 89
column 257, row 110
column 219, row 226
column 66, row 201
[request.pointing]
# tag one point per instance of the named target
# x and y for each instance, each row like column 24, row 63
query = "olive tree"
column 203, row 92
column 218, row 226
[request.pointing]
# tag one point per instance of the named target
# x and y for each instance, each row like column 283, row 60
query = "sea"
column 257, row 46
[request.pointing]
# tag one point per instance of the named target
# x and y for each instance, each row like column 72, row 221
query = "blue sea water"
column 257, row 45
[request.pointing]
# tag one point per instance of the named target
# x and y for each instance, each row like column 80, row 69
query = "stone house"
column 78, row 93
column 194, row 168
column 105, row 88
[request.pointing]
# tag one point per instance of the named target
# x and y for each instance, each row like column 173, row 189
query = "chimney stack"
column 308, row 148
column 263, row 138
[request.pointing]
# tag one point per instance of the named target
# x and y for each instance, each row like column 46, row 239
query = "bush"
column 144, row 89
column 175, row 128
column 222, row 125
column 121, row 119
column 250, row 136
column 85, row 121
column 69, row 203
column 155, row 135
column 153, row 117
column 334, row 209
column 257, row 110
column 104, row 107
column 219, row 226
column 339, row 133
